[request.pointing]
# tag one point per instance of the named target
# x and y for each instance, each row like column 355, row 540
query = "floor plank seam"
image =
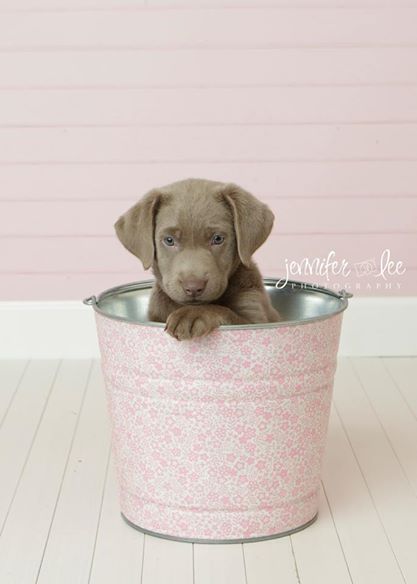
column 65, row 470
column 100, row 513
column 399, row 388
column 297, row 573
column 244, row 562
column 18, row 384
column 384, row 430
column 370, row 493
column 45, row 405
column 337, row 532
column 143, row 557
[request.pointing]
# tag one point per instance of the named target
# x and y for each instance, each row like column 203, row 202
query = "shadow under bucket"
column 220, row 439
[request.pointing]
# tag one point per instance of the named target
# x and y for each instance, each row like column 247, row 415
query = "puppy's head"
column 194, row 233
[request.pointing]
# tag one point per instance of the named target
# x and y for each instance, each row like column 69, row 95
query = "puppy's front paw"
column 189, row 322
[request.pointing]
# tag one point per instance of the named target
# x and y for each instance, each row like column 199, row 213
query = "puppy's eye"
column 217, row 239
column 169, row 241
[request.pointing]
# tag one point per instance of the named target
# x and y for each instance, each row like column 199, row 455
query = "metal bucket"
column 220, row 439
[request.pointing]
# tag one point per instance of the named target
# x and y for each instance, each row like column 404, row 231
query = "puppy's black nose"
column 194, row 287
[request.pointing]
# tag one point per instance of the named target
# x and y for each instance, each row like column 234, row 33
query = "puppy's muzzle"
column 194, row 288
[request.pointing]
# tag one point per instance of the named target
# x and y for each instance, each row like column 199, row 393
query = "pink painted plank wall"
column 293, row 216
column 220, row 105
column 208, row 142
column 221, row 28
column 311, row 105
column 209, row 67
column 100, row 254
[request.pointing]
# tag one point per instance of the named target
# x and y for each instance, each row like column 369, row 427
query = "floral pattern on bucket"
column 220, row 437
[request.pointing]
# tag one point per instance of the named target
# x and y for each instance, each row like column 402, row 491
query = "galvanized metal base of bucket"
column 220, row 439
column 220, row 541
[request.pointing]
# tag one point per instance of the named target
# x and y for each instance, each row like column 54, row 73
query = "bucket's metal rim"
column 220, row 541
column 342, row 296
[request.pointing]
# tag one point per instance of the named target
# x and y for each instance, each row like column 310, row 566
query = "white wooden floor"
column 59, row 515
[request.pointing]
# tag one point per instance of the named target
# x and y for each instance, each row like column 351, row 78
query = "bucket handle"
column 90, row 301
column 344, row 294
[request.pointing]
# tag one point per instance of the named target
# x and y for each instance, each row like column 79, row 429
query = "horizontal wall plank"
column 78, row 286
column 228, row 67
column 282, row 3
column 34, row 5
column 307, row 215
column 106, row 254
column 99, row 182
column 63, row 286
column 226, row 143
column 132, row 5
column 211, row 28
column 246, row 105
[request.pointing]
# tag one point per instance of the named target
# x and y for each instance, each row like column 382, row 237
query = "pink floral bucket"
column 220, row 439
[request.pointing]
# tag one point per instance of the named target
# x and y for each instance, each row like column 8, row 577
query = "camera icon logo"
column 366, row 267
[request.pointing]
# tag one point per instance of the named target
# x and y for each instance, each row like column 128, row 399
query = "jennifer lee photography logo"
column 377, row 273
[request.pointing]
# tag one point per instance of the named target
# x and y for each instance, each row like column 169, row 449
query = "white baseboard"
column 38, row 330
column 47, row 330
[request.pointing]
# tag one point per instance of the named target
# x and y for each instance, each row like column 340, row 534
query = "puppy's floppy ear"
column 252, row 220
column 135, row 228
